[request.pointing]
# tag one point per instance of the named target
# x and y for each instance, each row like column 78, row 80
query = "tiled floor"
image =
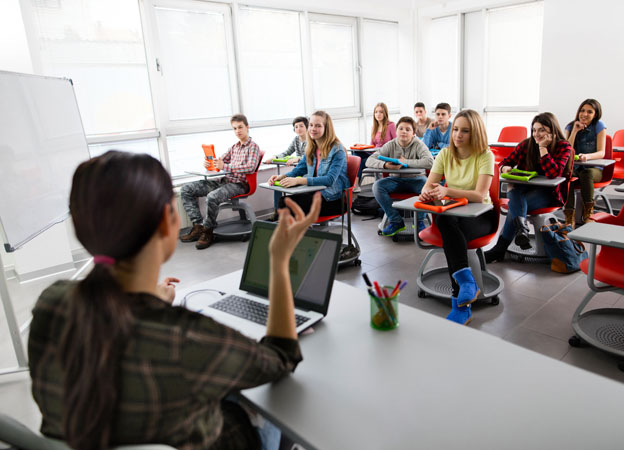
column 535, row 307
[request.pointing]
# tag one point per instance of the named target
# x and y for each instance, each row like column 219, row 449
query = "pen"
column 403, row 285
column 396, row 289
column 367, row 280
column 378, row 290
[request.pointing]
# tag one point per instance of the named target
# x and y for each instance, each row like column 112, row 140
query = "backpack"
column 366, row 206
column 565, row 254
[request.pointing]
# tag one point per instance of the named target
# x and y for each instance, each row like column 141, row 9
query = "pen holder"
column 384, row 312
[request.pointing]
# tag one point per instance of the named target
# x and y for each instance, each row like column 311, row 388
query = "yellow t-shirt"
column 465, row 174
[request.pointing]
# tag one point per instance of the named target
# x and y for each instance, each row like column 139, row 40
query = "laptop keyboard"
column 248, row 309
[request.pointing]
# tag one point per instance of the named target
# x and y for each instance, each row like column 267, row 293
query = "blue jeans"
column 386, row 186
column 521, row 200
column 363, row 156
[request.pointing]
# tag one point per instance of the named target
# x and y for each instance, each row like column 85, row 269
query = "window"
column 195, row 56
column 99, row 45
column 149, row 146
column 380, row 64
column 186, row 153
column 270, row 49
column 334, row 62
column 441, row 56
column 347, row 131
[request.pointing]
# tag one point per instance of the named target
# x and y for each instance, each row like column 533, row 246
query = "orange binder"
column 439, row 206
column 210, row 156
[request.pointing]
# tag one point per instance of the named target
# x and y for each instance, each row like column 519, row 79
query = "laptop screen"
column 312, row 266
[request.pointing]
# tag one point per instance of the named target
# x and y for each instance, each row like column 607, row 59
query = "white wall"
column 582, row 58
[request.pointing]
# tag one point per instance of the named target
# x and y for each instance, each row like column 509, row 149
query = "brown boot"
column 569, row 216
column 588, row 210
column 194, row 234
column 205, row 240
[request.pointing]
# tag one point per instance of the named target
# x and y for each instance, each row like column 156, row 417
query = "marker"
column 396, row 289
column 366, row 280
column 378, row 290
column 403, row 285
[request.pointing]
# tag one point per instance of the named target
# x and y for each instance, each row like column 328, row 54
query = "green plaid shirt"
column 176, row 371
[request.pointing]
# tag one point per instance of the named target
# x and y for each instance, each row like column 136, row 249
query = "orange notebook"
column 210, row 156
column 361, row 147
column 439, row 206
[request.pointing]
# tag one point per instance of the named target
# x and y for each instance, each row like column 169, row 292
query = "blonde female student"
column 383, row 131
column 467, row 165
column 325, row 164
column 112, row 362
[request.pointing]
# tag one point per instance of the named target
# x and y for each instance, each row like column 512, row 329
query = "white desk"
column 405, row 170
column 595, row 162
column 504, row 144
column 292, row 190
column 469, row 210
column 431, row 384
column 540, row 181
column 206, row 173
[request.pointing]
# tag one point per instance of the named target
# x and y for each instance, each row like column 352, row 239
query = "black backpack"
column 366, row 206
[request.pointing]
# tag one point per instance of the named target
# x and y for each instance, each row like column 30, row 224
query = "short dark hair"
column 301, row 119
column 239, row 118
column 443, row 105
column 407, row 119
column 420, row 105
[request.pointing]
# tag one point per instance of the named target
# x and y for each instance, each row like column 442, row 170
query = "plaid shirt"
column 241, row 159
column 551, row 165
column 175, row 371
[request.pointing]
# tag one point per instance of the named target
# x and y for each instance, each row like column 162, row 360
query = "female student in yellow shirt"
column 467, row 165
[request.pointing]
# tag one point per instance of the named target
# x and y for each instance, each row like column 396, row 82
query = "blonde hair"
column 384, row 123
column 478, row 136
column 326, row 142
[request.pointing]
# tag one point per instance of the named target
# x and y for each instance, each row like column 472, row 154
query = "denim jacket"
column 332, row 172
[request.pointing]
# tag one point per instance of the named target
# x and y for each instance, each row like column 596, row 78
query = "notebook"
column 312, row 271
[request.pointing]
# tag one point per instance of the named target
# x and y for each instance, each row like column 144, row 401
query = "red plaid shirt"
column 551, row 165
column 241, row 159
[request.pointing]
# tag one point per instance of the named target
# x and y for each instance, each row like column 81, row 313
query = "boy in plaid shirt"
column 241, row 158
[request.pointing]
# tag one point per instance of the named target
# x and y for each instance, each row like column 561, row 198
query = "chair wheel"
column 378, row 232
column 495, row 300
column 421, row 293
column 245, row 238
column 357, row 262
column 395, row 238
column 575, row 341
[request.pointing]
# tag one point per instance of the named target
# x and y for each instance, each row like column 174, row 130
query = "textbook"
column 392, row 160
column 520, row 175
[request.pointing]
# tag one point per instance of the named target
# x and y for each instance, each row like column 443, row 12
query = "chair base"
column 238, row 228
column 437, row 282
column 536, row 253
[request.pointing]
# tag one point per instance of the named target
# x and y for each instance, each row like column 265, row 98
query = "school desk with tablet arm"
column 406, row 388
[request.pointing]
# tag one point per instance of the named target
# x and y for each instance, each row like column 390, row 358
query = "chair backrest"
column 252, row 179
column 618, row 138
column 607, row 172
column 512, row 134
column 353, row 165
column 494, row 188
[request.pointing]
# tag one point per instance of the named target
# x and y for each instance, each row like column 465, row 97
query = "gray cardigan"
column 416, row 153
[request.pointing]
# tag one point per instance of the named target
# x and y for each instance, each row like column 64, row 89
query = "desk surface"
column 539, row 180
column 595, row 162
column 206, row 173
column 618, row 149
column 405, row 170
column 431, row 384
column 469, row 210
column 504, row 144
column 599, row 233
column 292, row 190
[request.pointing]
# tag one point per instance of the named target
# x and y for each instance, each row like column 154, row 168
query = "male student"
column 438, row 134
column 407, row 148
column 241, row 158
column 422, row 121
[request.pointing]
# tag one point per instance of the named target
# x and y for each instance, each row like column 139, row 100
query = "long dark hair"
column 595, row 104
column 116, row 202
column 533, row 155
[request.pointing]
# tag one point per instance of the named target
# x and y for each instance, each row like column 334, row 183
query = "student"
column 325, row 164
column 383, row 131
column 422, row 121
column 408, row 149
column 241, row 158
column 467, row 165
column 547, row 153
column 298, row 144
column 588, row 135
column 112, row 362
column 438, row 133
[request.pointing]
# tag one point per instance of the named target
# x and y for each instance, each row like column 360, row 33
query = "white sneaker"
column 357, row 189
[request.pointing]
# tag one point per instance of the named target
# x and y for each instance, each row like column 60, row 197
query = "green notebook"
column 520, row 175
column 285, row 159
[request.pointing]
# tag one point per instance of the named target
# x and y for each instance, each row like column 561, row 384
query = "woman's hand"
column 438, row 192
column 292, row 161
column 166, row 289
column 583, row 157
column 578, row 126
column 290, row 182
column 291, row 229
column 505, row 169
column 545, row 142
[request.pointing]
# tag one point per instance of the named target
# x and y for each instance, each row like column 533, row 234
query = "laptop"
column 312, row 271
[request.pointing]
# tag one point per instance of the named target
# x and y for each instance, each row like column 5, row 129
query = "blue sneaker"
column 393, row 228
column 421, row 225
column 460, row 314
column 468, row 289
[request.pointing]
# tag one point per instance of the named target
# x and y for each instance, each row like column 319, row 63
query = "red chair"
column 508, row 134
column 350, row 253
column 242, row 227
column 618, row 169
column 435, row 280
column 602, row 328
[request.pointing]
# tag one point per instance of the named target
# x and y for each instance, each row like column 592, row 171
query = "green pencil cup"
column 384, row 312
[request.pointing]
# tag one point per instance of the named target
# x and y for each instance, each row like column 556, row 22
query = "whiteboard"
column 42, row 141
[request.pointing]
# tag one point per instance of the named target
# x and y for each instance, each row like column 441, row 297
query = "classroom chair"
column 618, row 141
column 21, row 437
column 602, row 328
column 350, row 252
column 436, row 282
column 508, row 134
column 242, row 227
column 607, row 177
